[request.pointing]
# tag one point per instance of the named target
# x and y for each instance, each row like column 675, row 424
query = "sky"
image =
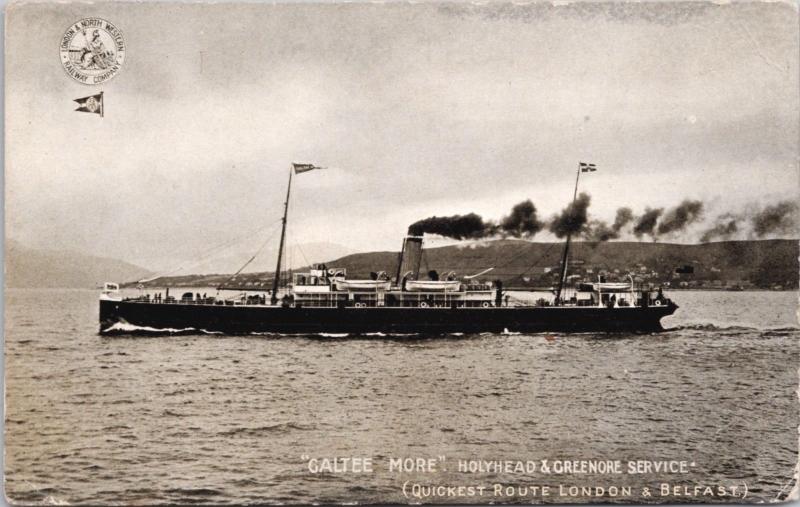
column 414, row 109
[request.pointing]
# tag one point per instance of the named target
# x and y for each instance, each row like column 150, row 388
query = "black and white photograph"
column 291, row 253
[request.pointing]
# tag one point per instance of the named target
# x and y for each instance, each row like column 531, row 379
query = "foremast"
column 277, row 277
column 294, row 169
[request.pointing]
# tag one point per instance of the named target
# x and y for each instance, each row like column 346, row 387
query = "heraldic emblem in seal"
column 92, row 51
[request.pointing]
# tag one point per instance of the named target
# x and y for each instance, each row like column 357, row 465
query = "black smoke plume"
column 598, row 230
column 780, row 218
column 725, row 226
column 573, row 219
column 647, row 222
column 522, row 222
column 469, row 226
column 680, row 216
column 623, row 218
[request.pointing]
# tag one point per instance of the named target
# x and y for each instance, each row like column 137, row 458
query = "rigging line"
column 483, row 266
column 517, row 256
column 534, row 264
column 260, row 249
column 213, row 250
column 207, row 219
column 209, row 253
column 302, row 254
column 285, row 275
column 297, row 212
column 514, row 257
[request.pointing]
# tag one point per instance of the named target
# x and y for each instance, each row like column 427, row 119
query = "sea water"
column 196, row 418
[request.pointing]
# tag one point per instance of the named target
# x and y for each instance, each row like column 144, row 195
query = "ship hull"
column 312, row 320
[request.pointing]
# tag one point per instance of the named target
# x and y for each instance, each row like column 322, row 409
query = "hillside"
column 761, row 263
column 27, row 267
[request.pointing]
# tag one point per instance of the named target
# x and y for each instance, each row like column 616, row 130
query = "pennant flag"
column 586, row 168
column 91, row 104
column 302, row 168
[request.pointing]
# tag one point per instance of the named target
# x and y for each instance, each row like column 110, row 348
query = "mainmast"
column 582, row 167
column 277, row 276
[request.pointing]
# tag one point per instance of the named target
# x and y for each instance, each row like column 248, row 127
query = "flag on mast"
column 91, row 104
column 586, row 168
column 302, row 168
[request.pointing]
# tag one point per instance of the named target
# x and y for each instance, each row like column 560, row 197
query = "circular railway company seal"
column 92, row 51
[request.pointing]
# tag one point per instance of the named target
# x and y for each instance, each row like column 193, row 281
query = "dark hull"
column 308, row 320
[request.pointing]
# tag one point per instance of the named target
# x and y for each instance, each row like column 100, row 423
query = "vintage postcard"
column 401, row 253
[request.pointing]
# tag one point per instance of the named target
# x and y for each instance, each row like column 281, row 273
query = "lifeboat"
column 373, row 285
column 432, row 285
column 605, row 287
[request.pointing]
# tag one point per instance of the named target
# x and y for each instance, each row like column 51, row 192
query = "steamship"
column 324, row 300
